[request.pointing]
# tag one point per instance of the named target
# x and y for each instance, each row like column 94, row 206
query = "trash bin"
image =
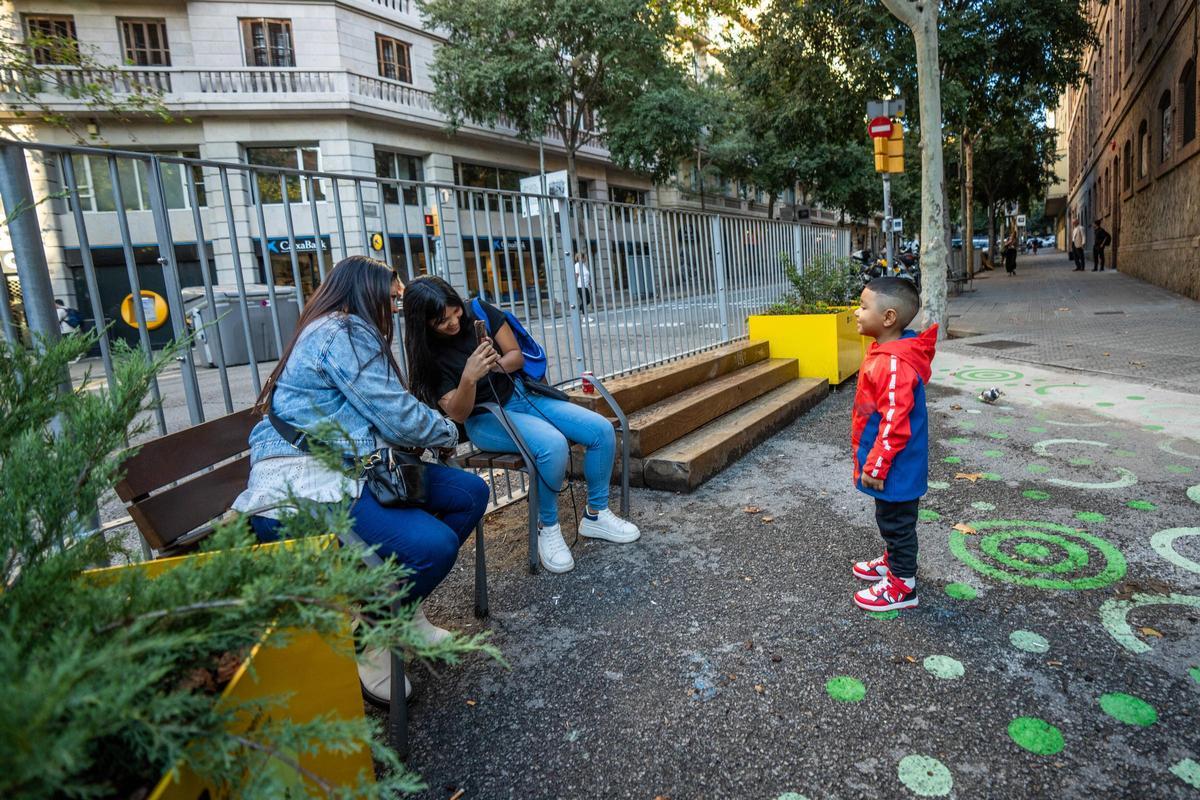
column 225, row 320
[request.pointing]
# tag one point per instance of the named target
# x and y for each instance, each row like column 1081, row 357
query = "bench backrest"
column 199, row 494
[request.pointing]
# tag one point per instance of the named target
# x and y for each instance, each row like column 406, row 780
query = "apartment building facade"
column 1133, row 143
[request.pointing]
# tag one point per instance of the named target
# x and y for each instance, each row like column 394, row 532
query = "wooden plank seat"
column 176, row 487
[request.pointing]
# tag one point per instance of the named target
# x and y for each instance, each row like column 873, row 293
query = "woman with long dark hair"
column 338, row 374
column 440, row 343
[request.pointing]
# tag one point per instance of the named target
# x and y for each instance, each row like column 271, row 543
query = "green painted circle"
column 1032, row 550
column 1195, row 673
column 1152, row 428
column 989, row 375
column 938, row 485
column 1134, row 397
column 966, row 423
column 1178, row 469
column 958, row 440
column 961, row 591
column 997, row 435
column 983, row 506
column 1079, row 462
column 943, row 667
column 883, row 614
column 1105, row 405
column 1037, row 469
column 991, row 561
column 993, row 453
column 1090, row 516
column 952, row 460
column 1035, row 494
column 1003, row 420
column 925, row 776
column 1142, row 505
column 1124, row 453
column 1128, row 709
column 992, row 476
column 845, row 689
column 1036, row 735
column 1029, row 641
column 1036, row 429
column 928, row 515
column 1193, row 493
column 1187, row 771
column 1075, row 558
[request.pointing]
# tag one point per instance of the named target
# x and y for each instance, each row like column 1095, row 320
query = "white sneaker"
column 553, row 551
column 427, row 630
column 375, row 672
column 608, row 526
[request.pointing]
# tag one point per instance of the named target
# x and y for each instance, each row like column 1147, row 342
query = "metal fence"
column 229, row 252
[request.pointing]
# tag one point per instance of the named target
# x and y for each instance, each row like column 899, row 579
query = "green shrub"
column 98, row 696
column 825, row 286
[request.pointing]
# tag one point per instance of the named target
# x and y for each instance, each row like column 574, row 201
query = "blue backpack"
column 535, row 354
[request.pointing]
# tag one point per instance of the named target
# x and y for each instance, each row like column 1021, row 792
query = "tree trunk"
column 770, row 205
column 922, row 20
column 969, row 202
column 991, row 212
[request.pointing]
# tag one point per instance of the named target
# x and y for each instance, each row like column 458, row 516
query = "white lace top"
column 307, row 477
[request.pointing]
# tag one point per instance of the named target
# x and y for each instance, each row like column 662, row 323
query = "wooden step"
column 658, row 425
column 641, row 389
column 690, row 461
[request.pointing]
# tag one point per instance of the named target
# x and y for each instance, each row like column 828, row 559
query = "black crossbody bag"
column 396, row 478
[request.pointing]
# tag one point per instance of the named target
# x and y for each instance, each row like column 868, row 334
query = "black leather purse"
column 396, row 478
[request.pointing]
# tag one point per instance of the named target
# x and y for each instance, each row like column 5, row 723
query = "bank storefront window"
column 401, row 167
column 303, row 156
column 96, row 189
column 280, row 250
column 483, row 177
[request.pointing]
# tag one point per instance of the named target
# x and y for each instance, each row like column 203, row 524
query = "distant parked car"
column 956, row 243
column 979, row 242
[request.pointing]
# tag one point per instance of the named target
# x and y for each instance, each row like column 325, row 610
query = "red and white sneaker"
column 873, row 570
column 890, row 593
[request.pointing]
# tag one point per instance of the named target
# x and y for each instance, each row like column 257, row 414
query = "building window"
column 1187, row 102
column 483, row 177
column 268, row 42
column 52, row 39
column 94, row 180
column 393, row 58
column 1127, row 166
column 1165, row 128
column 401, row 167
column 1143, row 156
column 145, row 42
column 621, row 194
column 305, row 156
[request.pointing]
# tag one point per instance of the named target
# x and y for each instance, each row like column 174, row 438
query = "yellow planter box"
column 826, row 345
column 315, row 677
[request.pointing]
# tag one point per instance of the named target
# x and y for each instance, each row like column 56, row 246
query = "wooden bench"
column 178, row 486
column 523, row 461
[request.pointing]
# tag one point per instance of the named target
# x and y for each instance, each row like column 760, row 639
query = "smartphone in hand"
column 480, row 331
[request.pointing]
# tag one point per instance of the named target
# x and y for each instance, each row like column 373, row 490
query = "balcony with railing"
column 246, row 89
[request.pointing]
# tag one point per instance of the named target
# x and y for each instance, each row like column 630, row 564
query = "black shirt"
column 451, row 354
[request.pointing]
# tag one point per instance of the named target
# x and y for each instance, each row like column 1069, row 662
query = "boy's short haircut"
column 900, row 294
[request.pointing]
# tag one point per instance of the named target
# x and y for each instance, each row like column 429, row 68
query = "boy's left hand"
column 872, row 483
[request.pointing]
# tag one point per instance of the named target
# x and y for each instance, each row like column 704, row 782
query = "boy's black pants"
column 898, row 527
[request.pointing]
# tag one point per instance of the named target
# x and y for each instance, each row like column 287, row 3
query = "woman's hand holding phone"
column 481, row 362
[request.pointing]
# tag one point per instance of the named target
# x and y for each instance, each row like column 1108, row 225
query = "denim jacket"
column 336, row 373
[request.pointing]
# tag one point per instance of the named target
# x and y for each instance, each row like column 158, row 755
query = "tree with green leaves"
column 99, row 679
column 41, row 65
column 560, row 67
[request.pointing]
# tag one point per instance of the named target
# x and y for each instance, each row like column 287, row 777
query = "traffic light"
column 432, row 228
column 895, row 149
column 880, row 154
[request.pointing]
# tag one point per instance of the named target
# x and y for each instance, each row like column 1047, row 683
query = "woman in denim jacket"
column 338, row 371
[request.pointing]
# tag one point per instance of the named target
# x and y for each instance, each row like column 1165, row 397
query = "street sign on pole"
column 885, row 108
column 880, row 128
column 1020, row 220
column 897, row 226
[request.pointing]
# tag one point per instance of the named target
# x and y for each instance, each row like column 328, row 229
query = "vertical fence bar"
column 268, row 273
column 291, row 237
column 516, row 223
column 89, row 267
column 202, row 253
column 527, row 203
column 479, row 281
column 440, row 255
column 564, row 219
column 135, row 285
column 166, row 249
column 626, row 245
column 407, row 238
column 722, row 298
column 362, row 217
column 37, row 294
column 383, row 225
column 240, row 280
column 335, row 190
column 6, row 315
column 316, row 226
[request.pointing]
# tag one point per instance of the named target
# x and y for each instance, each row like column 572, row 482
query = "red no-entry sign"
column 880, row 128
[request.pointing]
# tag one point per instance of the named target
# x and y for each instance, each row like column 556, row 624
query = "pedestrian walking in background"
column 1009, row 252
column 1036, row 243
column 1078, row 237
column 1102, row 239
column 69, row 321
column 583, row 281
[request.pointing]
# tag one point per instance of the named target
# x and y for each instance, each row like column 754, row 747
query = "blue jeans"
column 548, row 434
column 426, row 539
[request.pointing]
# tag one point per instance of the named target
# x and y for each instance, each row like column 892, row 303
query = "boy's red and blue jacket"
column 889, row 427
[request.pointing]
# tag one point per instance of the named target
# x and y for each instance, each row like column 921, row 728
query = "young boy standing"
column 889, row 435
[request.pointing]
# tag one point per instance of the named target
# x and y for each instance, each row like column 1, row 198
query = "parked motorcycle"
column 907, row 266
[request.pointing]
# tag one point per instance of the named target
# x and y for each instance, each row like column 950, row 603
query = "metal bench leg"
column 481, row 594
column 534, row 491
column 398, row 708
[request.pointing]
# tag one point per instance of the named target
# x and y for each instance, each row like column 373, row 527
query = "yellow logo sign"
column 376, row 241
